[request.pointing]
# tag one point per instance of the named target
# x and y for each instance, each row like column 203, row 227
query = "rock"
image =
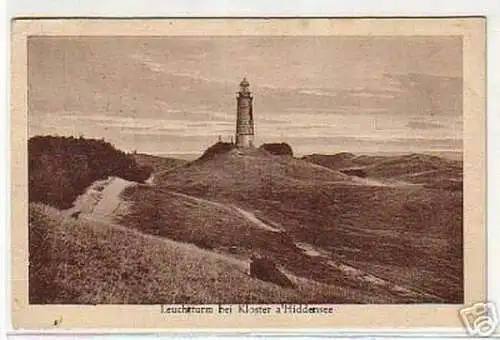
column 266, row 270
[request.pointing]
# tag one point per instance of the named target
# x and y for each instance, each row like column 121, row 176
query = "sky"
column 174, row 96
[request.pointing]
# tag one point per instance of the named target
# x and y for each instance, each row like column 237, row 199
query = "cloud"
column 424, row 125
column 316, row 92
column 189, row 73
column 371, row 95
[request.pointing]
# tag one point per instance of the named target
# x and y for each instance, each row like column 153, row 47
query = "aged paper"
column 247, row 173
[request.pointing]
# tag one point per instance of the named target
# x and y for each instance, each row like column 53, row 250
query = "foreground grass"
column 87, row 262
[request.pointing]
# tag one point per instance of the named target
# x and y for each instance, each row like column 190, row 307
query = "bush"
column 61, row 168
column 354, row 172
column 278, row 148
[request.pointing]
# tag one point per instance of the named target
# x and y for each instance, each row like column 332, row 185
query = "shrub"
column 354, row 172
column 61, row 168
column 278, row 148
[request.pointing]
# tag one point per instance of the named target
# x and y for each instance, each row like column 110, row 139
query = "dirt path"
column 111, row 201
column 383, row 182
column 249, row 216
column 151, row 180
column 102, row 199
column 308, row 249
column 375, row 280
column 255, row 220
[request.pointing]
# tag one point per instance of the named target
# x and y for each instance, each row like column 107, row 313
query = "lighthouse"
column 244, row 116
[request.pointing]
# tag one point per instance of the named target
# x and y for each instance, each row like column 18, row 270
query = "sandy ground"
column 151, row 180
column 102, row 199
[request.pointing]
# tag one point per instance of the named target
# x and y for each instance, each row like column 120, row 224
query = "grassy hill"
column 391, row 235
column 402, row 233
column 244, row 173
column 432, row 171
column 87, row 262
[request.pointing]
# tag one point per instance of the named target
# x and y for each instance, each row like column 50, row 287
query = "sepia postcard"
column 247, row 173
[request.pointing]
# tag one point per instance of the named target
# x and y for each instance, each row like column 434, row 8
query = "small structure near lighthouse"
column 244, row 116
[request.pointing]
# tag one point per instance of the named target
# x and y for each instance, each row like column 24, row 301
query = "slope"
column 431, row 171
column 86, row 261
column 406, row 235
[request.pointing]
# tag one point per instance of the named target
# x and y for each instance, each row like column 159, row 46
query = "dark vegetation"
column 221, row 148
column 61, row 168
column 354, row 172
column 336, row 161
column 278, row 148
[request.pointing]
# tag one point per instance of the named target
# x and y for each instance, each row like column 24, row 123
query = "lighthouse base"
column 244, row 141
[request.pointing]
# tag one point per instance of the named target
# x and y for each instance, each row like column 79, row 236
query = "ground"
column 389, row 236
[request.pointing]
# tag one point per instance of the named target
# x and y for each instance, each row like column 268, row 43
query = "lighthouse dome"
column 244, row 83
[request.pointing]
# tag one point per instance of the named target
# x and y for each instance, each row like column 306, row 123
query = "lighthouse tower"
column 244, row 116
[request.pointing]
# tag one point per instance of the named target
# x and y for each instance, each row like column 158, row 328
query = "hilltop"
column 249, row 170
